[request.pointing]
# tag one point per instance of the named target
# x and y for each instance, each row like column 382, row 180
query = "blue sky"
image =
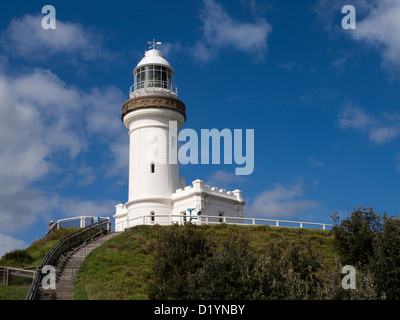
column 323, row 101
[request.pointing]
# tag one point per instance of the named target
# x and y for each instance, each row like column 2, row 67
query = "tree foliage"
column 17, row 258
column 180, row 251
column 189, row 265
column 386, row 263
column 354, row 236
column 371, row 242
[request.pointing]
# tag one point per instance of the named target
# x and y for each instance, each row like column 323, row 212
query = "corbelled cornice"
column 153, row 101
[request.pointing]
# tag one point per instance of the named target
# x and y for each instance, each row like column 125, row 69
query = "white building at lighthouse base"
column 197, row 203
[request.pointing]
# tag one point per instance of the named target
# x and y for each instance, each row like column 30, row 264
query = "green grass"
column 13, row 292
column 38, row 249
column 122, row 267
column 119, row 269
column 36, row 252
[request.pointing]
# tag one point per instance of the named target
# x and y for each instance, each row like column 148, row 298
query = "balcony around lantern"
column 150, row 87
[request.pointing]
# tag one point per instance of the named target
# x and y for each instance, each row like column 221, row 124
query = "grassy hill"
column 222, row 262
column 33, row 255
column 30, row 257
column 122, row 268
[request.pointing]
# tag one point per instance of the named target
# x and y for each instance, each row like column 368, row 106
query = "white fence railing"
column 203, row 219
column 80, row 222
column 6, row 272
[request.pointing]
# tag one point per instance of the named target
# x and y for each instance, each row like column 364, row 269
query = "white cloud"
column 222, row 31
column 384, row 134
column 43, row 120
column 9, row 243
column 282, row 201
column 46, row 124
column 75, row 206
column 23, row 152
column 57, row 107
column 381, row 29
column 102, row 104
column 19, row 209
column 327, row 12
column 398, row 161
column 38, row 117
column 86, row 176
column 120, row 154
column 223, row 178
column 167, row 48
column 314, row 162
column 379, row 130
column 377, row 25
column 3, row 63
column 26, row 38
column 353, row 117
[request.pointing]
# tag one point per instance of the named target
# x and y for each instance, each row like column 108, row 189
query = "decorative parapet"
column 153, row 101
column 120, row 210
column 198, row 186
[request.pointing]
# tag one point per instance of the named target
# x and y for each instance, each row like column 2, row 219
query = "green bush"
column 386, row 263
column 180, row 251
column 355, row 235
column 189, row 267
column 225, row 274
column 331, row 288
column 371, row 243
column 17, row 257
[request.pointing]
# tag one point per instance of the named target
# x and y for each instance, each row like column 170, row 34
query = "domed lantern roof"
column 153, row 75
column 153, row 57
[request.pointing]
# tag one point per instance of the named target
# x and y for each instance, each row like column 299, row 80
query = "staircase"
column 67, row 266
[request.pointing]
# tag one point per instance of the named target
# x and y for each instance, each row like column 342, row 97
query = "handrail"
column 81, row 219
column 154, row 84
column 63, row 245
column 204, row 219
column 7, row 271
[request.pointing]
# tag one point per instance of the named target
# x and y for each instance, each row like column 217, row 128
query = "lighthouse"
column 153, row 116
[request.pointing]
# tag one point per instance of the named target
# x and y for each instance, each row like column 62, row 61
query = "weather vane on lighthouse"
column 153, row 44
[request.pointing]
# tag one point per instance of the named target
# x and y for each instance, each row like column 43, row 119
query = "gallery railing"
column 154, row 84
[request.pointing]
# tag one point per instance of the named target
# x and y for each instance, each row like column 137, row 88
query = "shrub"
column 187, row 267
column 354, row 236
column 20, row 258
column 179, row 252
column 386, row 263
column 371, row 242
column 226, row 274
column 331, row 288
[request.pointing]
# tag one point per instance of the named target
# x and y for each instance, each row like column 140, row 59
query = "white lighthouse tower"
column 153, row 115
column 153, row 104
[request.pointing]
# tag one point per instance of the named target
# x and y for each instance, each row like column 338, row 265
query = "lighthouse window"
column 149, row 73
column 152, row 168
column 153, row 76
column 169, row 80
column 152, row 218
column 157, row 78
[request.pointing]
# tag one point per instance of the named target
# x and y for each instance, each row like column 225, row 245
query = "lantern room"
column 153, row 76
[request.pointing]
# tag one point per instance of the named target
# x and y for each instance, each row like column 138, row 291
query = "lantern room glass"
column 153, row 76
